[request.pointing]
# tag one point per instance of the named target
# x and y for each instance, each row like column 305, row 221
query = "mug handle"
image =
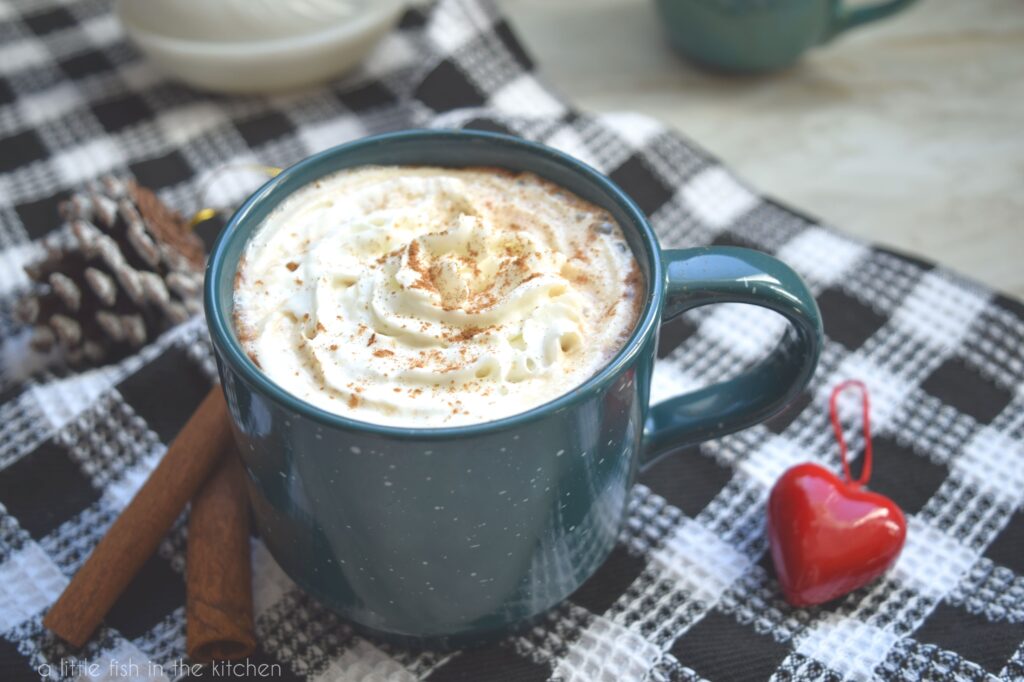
column 726, row 274
column 845, row 18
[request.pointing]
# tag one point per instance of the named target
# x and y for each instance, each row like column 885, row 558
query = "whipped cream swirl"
column 421, row 296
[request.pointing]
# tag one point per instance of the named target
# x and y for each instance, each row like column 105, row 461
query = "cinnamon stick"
column 137, row 532
column 218, row 605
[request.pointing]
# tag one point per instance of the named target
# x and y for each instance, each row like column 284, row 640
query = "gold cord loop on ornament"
column 206, row 212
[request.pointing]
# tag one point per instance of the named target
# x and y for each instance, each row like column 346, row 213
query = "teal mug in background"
column 456, row 534
column 761, row 35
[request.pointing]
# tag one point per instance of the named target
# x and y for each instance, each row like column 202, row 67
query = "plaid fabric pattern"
column 688, row 593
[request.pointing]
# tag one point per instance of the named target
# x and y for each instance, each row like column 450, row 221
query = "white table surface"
column 909, row 132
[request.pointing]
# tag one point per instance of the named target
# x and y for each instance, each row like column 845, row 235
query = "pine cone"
column 129, row 269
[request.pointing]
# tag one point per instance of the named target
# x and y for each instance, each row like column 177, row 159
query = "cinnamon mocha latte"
column 428, row 297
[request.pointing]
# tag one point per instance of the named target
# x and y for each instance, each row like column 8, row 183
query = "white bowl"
column 250, row 46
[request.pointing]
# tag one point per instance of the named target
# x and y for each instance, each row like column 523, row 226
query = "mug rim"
column 221, row 327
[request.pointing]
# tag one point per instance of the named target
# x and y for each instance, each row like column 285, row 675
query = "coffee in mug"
column 458, row 533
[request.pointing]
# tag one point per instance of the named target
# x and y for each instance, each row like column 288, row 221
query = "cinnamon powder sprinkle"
column 373, row 339
column 424, row 282
column 382, row 353
column 292, row 265
column 467, row 334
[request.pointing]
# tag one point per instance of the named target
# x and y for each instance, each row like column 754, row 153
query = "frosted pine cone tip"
column 128, row 269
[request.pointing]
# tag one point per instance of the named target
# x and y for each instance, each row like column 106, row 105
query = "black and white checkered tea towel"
column 688, row 593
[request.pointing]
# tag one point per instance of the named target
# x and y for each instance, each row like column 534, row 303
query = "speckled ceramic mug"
column 750, row 36
column 463, row 532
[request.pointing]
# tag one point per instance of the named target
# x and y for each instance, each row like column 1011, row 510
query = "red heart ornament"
column 828, row 537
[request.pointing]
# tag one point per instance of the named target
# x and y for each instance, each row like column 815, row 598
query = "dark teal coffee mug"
column 464, row 532
column 761, row 35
